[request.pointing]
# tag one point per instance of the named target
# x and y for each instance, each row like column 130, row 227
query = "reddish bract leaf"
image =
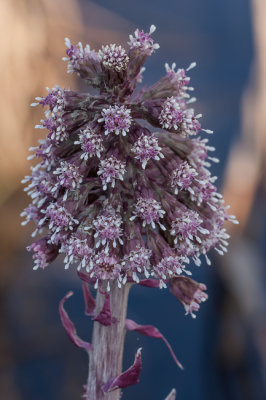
column 105, row 317
column 153, row 283
column 171, row 395
column 86, row 278
column 69, row 326
column 88, row 300
column 127, row 378
column 151, row 331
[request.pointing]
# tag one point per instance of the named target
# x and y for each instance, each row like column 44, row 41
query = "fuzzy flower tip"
column 122, row 186
column 90, row 143
column 143, row 42
column 147, row 148
column 114, row 57
column 117, row 119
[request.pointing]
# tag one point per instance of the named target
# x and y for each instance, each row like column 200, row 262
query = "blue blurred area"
column 217, row 35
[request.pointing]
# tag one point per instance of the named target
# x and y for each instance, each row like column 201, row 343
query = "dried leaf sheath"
column 107, row 345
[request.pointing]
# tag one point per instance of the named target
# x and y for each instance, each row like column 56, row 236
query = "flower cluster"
column 122, row 185
column 143, row 42
column 146, row 148
column 116, row 120
column 175, row 115
column 114, row 57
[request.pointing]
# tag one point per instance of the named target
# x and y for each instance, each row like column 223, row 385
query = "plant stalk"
column 106, row 355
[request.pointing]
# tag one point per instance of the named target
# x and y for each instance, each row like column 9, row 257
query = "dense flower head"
column 68, row 175
column 186, row 225
column 174, row 116
column 41, row 185
column 171, row 265
column 149, row 211
column 44, row 253
column 147, row 148
column 122, row 186
column 143, row 42
column 117, row 119
column 90, row 142
column 54, row 99
column 110, row 170
column 179, row 80
column 76, row 55
column 182, row 177
column 107, row 228
column 114, row 57
column 55, row 125
column 77, row 250
column 172, row 113
column 137, row 262
column 105, row 267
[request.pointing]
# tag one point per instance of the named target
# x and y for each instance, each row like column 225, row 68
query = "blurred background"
column 224, row 349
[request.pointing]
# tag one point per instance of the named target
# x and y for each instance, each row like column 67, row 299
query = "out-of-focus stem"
column 107, row 345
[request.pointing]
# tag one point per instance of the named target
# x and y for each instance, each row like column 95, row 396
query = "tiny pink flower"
column 117, row 119
column 172, row 113
column 104, row 267
column 44, row 253
column 54, row 99
column 186, row 226
column 182, row 177
column 58, row 218
column 68, row 175
column 77, row 250
column 91, row 144
column 108, row 228
column 178, row 79
column 150, row 211
column 137, row 262
column 110, row 170
column 169, row 266
column 76, row 55
column 147, row 148
column 114, row 57
column 143, row 42
column 174, row 116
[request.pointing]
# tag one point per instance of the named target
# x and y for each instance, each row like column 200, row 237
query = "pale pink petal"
column 151, row 331
column 69, row 326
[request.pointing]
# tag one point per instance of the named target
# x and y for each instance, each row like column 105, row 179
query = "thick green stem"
column 107, row 345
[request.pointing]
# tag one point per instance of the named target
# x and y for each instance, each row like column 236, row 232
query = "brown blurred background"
column 229, row 39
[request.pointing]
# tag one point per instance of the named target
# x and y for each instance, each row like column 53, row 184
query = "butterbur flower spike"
column 122, row 188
